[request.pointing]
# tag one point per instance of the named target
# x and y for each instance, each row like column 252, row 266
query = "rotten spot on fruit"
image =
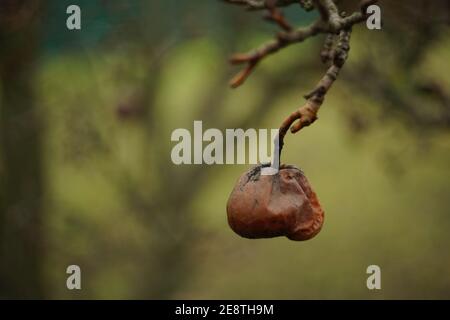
column 266, row 206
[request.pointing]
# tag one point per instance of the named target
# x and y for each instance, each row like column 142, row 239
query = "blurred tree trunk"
column 20, row 151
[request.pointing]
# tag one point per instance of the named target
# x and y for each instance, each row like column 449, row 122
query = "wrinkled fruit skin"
column 284, row 204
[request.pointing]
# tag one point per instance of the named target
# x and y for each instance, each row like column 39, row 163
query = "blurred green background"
column 86, row 176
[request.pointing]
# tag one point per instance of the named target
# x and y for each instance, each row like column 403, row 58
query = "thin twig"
column 307, row 114
column 282, row 40
column 331, row 24
column 275, row 15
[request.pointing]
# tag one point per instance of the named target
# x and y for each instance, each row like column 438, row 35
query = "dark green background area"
column 102, row 18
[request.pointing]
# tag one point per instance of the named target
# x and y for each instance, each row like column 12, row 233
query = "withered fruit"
column 266, row 206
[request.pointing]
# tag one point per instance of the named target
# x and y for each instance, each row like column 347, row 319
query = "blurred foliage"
column 141, row 227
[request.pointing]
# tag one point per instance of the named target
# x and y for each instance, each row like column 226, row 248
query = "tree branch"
column 329, row 22
column 282, row 40
column 307, row 114
column 336, row 25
